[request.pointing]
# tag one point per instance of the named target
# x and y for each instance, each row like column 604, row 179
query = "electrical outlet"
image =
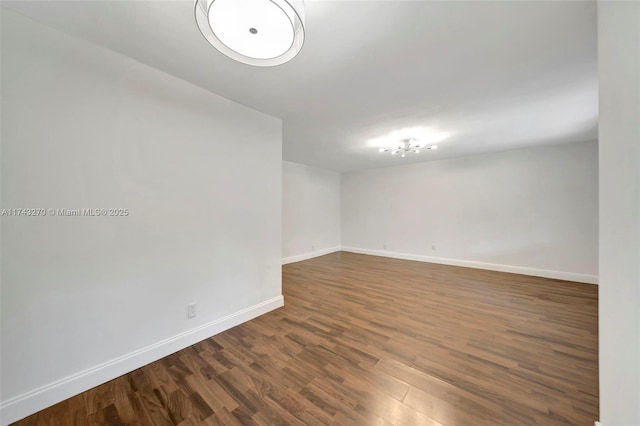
column 433, row 247
column 313, row 247
column 191, row 310
column 384, row 246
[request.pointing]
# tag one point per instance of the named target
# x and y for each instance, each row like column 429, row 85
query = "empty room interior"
column 320, row 212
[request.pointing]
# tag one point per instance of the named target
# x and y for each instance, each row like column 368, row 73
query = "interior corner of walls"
column 31, row 402
column 309, row 255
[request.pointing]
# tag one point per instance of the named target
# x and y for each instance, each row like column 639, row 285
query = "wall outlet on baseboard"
column 433, row 246
column 313, row 247
column 384, row 246
column 191, row 310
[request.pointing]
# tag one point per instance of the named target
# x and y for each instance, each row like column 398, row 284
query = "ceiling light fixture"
column 255, row 32
column 406, row 146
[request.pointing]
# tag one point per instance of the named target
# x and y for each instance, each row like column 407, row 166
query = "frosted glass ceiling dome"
column 255, row 32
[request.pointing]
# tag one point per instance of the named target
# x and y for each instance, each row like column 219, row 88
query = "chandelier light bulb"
column 254, row 32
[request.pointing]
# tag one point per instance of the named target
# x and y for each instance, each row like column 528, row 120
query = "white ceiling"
column 495, row 75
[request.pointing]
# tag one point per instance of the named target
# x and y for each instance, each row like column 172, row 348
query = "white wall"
column 310, row 211
column 619, row 299
column 200, row 175
column 532, row 211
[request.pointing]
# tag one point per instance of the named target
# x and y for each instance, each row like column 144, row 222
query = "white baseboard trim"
column 26, row 404
column 310, row 255
column 559, row 275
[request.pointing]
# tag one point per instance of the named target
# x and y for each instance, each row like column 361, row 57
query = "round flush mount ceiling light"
column 255, row 32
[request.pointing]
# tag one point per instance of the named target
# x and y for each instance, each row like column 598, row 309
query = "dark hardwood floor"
column 373, row 341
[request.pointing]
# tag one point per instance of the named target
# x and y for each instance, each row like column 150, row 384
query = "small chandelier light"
column 255, row 32
column 406, row 146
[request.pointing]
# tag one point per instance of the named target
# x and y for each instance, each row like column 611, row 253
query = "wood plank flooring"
column 366, row 340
